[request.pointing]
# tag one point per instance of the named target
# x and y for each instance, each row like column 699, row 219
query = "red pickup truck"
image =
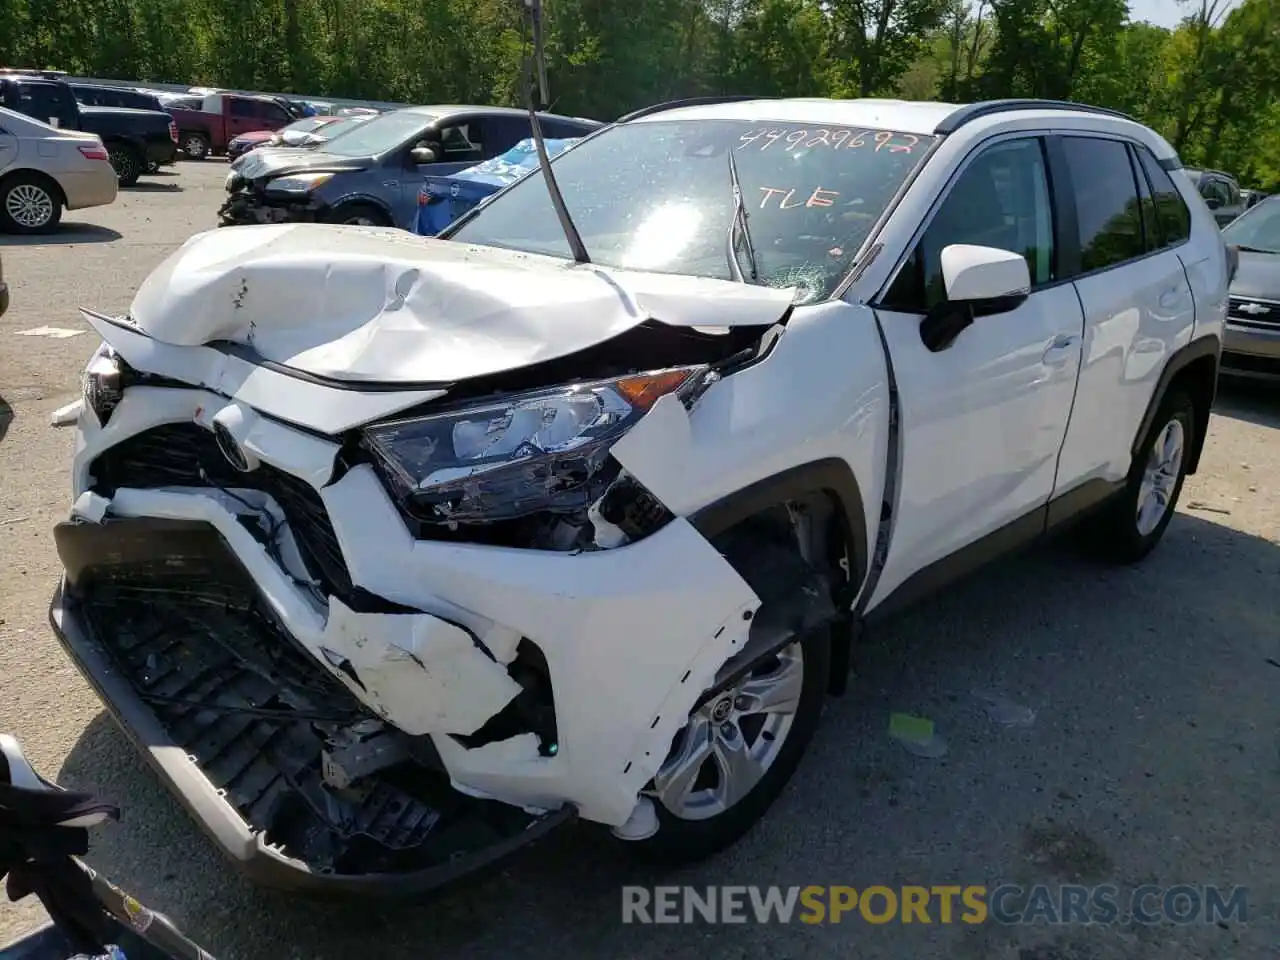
column 223, row 116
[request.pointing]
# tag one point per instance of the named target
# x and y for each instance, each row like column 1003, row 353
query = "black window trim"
column 1062, row 218
column 1066, row 233
column 1135, row 152
column 1066, row 180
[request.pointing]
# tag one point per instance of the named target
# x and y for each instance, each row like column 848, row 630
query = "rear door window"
column 1108, row 211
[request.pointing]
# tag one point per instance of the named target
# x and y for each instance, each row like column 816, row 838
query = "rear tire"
column 127, row 163
column 693, row 823
column 1131, row 526
column 29, row 204
column 195, row 146
column 358, row 214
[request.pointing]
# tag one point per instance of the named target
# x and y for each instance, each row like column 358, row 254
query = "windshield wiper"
column 1248, row 249
column 739, row 221
column 538, row 66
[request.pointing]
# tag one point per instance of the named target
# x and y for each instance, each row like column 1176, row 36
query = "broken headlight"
column 102, row 383
column 526, row 453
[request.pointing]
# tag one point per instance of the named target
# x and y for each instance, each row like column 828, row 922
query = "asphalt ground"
column 1151, row 758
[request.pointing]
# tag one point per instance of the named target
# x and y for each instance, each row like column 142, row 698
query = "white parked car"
column 393, row 553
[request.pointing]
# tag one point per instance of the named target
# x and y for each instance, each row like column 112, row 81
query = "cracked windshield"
column 659, row 196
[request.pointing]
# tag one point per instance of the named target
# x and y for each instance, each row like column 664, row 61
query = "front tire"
column 1129, row 529
column 29, row 204
column 737, row 753
column 358, row 215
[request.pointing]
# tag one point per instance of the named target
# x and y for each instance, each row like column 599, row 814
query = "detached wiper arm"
column 739, row 222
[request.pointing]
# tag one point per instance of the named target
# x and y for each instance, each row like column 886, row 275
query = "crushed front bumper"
column 246, row 208
column 169, row 628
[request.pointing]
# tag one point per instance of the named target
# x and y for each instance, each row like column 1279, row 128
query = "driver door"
column 982, row 420
column 459, row 145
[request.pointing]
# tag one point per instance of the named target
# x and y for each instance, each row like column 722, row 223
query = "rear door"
column 242, row 116
column 1137, row 302
column 505, row 132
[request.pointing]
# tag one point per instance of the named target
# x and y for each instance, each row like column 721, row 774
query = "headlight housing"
column 298, row 183
column 526, row 453
column 102, row 383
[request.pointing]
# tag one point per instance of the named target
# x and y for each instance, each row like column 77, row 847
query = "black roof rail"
column 974, row 111
column 688, row 102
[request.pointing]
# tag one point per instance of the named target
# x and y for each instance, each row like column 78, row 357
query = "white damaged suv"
column 392, row 553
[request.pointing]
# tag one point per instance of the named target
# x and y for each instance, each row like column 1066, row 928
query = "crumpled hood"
column 274, row 161
column 375, row 304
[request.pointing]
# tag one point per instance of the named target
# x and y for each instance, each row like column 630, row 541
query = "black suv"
column 137, row 140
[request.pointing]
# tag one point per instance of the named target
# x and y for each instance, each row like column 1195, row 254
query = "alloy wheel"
column 29, row 205
column 732, row 740
column 1160, row 477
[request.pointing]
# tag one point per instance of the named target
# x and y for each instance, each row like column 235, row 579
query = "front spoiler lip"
column 211, row 812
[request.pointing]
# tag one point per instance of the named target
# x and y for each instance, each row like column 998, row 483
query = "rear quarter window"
column 1173, row 219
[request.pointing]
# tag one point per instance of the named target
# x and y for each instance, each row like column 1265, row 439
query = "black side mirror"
column 1213, row 203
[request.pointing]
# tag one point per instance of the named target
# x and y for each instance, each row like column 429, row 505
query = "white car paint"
column 1026, row 405
column 377, row 304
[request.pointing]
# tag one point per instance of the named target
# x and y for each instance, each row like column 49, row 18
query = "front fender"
column 812, row 415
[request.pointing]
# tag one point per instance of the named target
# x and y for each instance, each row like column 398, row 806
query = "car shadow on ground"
column 6, row 418
column 1253, row 401
column 67, row 232
column 1153, row 692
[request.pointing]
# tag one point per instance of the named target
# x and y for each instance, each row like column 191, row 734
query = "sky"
column 1164, row 13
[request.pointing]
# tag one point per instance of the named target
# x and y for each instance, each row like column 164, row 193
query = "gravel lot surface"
column 1152, row 757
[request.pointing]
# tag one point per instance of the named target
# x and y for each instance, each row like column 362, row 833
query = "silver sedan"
column 44, row 170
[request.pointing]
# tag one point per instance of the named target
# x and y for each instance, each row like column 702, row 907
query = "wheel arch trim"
column 1198, row 350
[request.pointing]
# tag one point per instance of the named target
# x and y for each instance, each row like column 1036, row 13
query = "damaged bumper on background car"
column 361, row 662
column 245, row 208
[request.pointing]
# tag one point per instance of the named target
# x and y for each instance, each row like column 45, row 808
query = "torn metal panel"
column 141, row 408
column 315, row 406
column 421, row 673
column 614, row 670
column 370, row 305
column 821, row 392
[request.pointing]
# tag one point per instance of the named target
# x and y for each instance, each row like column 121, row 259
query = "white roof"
column 907, row 116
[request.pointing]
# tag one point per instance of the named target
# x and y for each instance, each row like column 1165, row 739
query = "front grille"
column 1264, row 314
column 187, row 455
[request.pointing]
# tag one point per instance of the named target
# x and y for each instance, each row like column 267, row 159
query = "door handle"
column 1059, row 350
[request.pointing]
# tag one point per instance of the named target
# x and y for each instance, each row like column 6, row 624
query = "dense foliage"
column 1212, row 85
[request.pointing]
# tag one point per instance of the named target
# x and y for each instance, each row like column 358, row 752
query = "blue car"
column 371, row 175
column 443, row 199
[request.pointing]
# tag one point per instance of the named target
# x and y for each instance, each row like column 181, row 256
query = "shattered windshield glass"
column 658, row 196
